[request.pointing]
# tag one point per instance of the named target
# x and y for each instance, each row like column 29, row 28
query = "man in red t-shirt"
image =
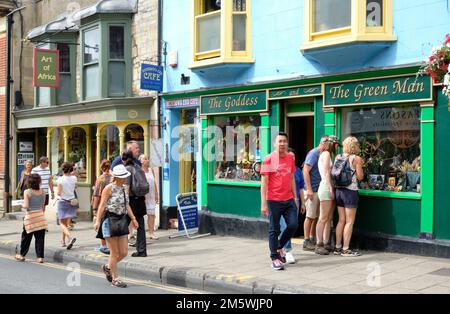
column 279, row 198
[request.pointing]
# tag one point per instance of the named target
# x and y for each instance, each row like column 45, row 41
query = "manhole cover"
column 441, row 272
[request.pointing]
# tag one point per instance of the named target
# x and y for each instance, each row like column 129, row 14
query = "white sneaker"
column 290, row 259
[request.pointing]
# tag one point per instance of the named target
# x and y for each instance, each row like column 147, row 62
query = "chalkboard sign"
column 187, row 216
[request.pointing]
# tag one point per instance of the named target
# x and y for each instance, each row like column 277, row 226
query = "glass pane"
column 209, row 33
column 91, row 45
column 44, row 96
column 331, row 14
column 109, row 143
column 91, row 81
column 77, row 152
column 389, row 138
column 236, row 143
column 239, row 5
column 134, row 132
column 116, row 42
column 239, row 32
column 65, row 89
column 374, row 13
column 116, row 78
column 64, row 58
column 211, row 6
column 57, row 152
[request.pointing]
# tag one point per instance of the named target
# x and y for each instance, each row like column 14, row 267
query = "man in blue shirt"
column 312, row 179
column 132, row 146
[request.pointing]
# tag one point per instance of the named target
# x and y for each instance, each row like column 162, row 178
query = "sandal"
column 19, row 258
column 153, row 237
column 40, row 260
column 350, row 253
column 107, row 272
column 118, row 283
column 72, row 241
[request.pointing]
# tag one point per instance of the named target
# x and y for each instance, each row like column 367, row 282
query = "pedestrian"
column 102, row 181
column 113, row 218
column 312, row 178
column 139, row 187
column 34, row 221
column 46, row 178
column 24, row 175
column 279, row 198
column 299, row 185
column 347, row 196
column 152, row 198
column 326, row 196
column 134, row 149
column 67, row 204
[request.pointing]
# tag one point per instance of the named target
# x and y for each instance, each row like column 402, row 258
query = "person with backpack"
column 326, row 196
column 346, row 173
column 139, row 187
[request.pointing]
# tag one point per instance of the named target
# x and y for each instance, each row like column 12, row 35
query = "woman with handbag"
column 67, row 204
column 34, row 223
column 23, row 182
column 113, row 219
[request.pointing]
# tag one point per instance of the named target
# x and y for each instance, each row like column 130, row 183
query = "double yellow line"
column 128, row 280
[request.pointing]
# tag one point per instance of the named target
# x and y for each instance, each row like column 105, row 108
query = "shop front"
column 85, row 138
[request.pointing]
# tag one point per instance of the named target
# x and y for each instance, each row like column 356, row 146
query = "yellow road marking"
column 98, row 275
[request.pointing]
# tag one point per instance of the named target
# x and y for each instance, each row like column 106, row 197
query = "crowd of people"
column 327, row 180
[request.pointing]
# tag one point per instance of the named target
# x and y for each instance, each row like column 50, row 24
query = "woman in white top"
column 152, row 198
column 66, row 208
column 347, row 199
column 326, row 196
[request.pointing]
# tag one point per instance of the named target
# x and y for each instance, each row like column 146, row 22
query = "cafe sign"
column 380, row 90
column 234, row 103
column 46, row 68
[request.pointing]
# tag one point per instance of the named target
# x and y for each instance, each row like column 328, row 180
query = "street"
column 49, row 278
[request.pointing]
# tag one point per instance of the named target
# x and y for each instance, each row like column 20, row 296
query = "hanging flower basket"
column 437, row 65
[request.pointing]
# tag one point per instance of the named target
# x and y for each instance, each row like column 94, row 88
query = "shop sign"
column 294, row 92
column 46, row 68
column 188, row 212
column 183, row 103
column 152, row 77
column 234, row 103
column 380, row 90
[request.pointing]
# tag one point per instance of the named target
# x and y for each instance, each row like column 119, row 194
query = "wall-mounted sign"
column 294, row 92
column 25, row 146
column 380, row 90
column 46, row 68
column 152, row 77
column 182, row 103
column 234, row 103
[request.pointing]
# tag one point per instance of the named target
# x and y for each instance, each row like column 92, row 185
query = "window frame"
column 103, row 22
column 63, row 38
column 357, row 31
column 225, row 53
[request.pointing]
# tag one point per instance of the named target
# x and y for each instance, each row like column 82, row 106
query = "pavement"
column 218, row 264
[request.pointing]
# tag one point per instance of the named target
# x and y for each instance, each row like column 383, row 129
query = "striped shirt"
column 45, row 175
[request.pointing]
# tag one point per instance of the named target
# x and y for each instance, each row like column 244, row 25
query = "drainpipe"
column 163, row 222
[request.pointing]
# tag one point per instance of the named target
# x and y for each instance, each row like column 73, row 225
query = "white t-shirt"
column 150, row 201
column 45, row 175
column 68, row 184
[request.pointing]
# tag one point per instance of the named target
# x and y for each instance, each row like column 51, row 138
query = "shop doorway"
column 300, row 128
column 188, row 148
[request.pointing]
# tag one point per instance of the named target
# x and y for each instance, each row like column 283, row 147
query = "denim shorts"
column 347, row 198
column 105, row 229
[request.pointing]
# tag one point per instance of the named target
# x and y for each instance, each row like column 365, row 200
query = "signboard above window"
column 234, row 103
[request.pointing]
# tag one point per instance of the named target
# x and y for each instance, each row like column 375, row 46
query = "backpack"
column 139, row 184
column 341, row 172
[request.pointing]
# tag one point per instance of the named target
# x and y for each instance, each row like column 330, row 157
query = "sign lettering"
column 46, row 68
column 303, row 91
column 234, row 103
column 152, row 77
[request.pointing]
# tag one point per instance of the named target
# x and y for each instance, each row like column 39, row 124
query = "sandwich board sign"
column 187, row 216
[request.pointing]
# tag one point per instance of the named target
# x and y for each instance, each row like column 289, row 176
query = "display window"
column 110, row 142
column 76, row 142
column 134, row 132
column 57, row 152
column 389, row 138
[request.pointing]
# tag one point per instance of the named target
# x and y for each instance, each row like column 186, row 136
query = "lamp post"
column 10, row 22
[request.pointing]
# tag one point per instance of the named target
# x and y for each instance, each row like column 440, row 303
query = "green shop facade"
column 401, row 121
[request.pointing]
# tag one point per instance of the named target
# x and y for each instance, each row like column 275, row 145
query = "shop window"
column 109, row 143
column 65, row 76
column 116, row 61
column 211, row 32
column 390, row 145
column 134, row 132
column 334, row 22
column 43, row 94
column 91, row 60
column 237, row 150
column 76, row 141
column 57, row 157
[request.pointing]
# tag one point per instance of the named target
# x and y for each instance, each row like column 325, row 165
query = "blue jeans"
column 289, row 212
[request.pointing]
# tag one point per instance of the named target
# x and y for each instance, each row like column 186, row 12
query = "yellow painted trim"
column 207, row 55
column 218, row 61
column 357, row 32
